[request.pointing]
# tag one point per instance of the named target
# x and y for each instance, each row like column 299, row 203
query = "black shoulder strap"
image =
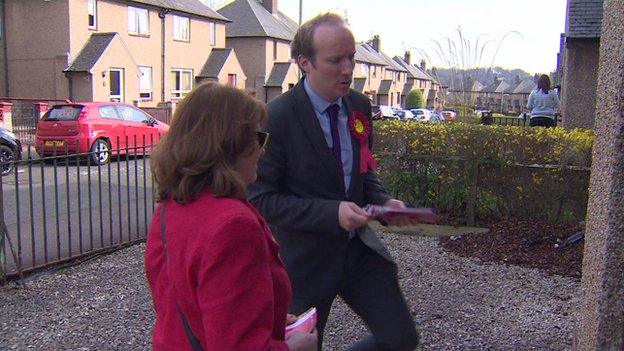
column 187, row 328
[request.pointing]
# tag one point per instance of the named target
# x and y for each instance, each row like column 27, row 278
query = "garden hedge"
column 480, row 171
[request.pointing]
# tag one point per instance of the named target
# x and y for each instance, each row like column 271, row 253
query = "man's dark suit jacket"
column 299, row 189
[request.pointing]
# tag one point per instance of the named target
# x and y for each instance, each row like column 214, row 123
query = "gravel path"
column 458, row 303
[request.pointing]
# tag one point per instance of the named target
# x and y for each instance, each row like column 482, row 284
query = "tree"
column 414, row 100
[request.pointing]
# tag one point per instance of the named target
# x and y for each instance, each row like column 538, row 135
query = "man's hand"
column 399, row 221
column 351, row 216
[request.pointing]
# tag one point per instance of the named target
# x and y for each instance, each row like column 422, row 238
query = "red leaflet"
column 386, row 214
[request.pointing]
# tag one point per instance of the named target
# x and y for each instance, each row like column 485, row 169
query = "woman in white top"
column 543, row 104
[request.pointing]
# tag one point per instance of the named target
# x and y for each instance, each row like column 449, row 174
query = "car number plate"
column 55, row 143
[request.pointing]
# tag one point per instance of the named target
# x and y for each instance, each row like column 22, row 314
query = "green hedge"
column 524, row 172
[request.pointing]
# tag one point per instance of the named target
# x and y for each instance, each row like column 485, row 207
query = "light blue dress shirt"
column 320, row 105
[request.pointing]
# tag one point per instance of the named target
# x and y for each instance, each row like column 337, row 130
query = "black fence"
column 64, row 207
column 465, row 191
column 61, row 208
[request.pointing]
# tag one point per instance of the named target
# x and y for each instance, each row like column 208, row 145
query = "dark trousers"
column 542, row 122
column 370, row 287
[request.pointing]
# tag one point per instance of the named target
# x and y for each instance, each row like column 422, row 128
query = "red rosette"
column 360, row 127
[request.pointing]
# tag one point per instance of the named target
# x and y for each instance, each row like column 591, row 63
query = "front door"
column 116, row 84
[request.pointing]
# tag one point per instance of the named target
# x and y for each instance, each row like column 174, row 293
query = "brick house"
column 368, row 72
column 140, row 51
column 416, row 79
column 393, row 75
column 261, row 36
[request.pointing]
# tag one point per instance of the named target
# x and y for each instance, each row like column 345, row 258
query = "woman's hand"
column 301, row 341
column 290, row 319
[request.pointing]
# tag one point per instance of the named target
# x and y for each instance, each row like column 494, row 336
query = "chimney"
column 423, row 65
column 270, row 5
column 517, row 79
column 376, row 43
column 408, row 57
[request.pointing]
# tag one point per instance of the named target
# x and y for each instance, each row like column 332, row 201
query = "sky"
column 531, row 29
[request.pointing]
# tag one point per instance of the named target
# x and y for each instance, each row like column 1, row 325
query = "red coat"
column 229, row 279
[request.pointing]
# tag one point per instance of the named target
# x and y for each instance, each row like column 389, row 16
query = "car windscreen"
column 62, row 113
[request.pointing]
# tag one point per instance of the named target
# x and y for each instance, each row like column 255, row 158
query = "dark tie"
column 333, row 122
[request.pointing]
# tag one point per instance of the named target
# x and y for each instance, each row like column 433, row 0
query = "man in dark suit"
column 312, row 186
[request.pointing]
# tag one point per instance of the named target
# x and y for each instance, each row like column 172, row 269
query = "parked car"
column 385, row 113
column 98, row 128
column 10, row 151
column 421, row 114
column 404, row 114
column 374, row 110
column 449, row 115
column 479, row 113
column 435, row 118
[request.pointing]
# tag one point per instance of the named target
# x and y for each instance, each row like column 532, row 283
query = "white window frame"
column 177, row 91
column 181, row 28
column 92, row 11
column 120, row 97
column 212, row 33
column 138, row 21
column 146, row 87
column 234, row 80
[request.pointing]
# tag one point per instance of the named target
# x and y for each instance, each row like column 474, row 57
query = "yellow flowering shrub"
column 526, row 172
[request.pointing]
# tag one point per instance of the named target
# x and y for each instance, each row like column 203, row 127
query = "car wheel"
column 100, row 152
column 6, row 159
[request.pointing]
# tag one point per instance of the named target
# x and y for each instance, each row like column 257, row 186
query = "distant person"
column 212, row 264
column 543, row 104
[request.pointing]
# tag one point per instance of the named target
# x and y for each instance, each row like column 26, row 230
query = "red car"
column 97, row 128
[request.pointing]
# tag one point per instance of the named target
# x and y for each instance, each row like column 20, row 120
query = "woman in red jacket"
column 212, row 264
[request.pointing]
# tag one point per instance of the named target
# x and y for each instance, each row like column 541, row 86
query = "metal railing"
column 63, row 207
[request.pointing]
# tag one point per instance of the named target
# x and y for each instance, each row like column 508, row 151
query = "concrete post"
column 6, row 115
column 601, row 316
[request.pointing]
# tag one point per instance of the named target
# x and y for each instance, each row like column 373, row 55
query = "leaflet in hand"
column 385, row 214
column 306, row 322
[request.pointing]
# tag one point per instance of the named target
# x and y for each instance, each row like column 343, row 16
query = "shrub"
column 526, row 172
column 414, row 99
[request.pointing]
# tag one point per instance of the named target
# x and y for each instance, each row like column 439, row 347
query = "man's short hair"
column 303, row 43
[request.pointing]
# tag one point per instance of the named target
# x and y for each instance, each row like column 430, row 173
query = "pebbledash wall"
column 579, row 83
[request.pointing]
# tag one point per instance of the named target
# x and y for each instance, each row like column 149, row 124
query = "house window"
column 182, row 82
column 138, row 22
column 116, row 84
column 181, row 28
column 212, row 33
column 145, row 83
column 274, row 50
column 92, row 8
column 375, row 72
column 232, row 79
